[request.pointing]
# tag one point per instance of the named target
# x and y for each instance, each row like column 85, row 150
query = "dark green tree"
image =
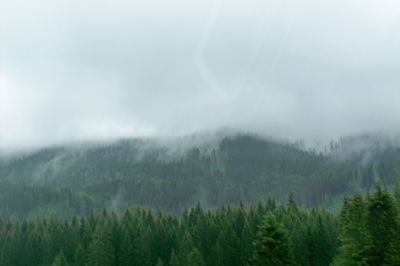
column 60, row 260
column 173, row 260
column 353, row 236
column 101, row 249
column 195, row 258
column 79, row 257
column 159, row 262
column 381, row 226
column 271, row 244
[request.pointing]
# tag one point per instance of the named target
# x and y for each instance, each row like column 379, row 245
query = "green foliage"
column 370, row 230
column 382, row 224
column 79, row 256
column 159, row 262
column 52, row 186
column 223, row 236
column 69, row 181
column 173, row 260
column 271, row 245
column 101, row 252
column 60, row 260
column 195, row 258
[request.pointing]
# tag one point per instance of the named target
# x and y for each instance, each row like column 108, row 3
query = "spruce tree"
column 271, row 245
column 159, row 262
column 396, row 192
column 79, row 257
column 381, row 225
column 185, row 246
column 173, row 259
column 393, row 249
column 60, row 260
column 353, row 236
column 101, row 249
column 195, row 258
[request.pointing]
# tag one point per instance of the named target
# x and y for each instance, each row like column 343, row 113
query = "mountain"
column 176, row 173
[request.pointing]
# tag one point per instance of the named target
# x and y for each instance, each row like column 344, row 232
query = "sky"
column 91, row 70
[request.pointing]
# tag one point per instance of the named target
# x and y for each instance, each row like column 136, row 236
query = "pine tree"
column 353, row 234
column 79, row 256
column 159, row 262
column 173, row 259
column 60, row 260
column 246, row 238
column 195, row 258
column 292, row 206
column 101, row 249
column 185, row 246
column 393, row 249
column 271, row 244
column 381, row 225
column 396, row 192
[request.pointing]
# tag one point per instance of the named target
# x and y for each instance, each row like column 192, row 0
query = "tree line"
column 367, row 232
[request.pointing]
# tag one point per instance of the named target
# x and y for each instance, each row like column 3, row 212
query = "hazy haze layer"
column 92, row 70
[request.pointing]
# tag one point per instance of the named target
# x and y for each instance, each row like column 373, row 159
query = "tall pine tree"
column 271, row 245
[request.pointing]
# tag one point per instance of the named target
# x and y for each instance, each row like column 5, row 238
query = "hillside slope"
column 75, row 180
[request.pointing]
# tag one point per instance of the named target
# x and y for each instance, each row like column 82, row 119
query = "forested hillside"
column 78, row 179
column 367, row 232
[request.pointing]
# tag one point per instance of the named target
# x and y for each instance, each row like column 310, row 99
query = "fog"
column 98, row 70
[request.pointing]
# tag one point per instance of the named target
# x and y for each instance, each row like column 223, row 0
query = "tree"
column 185, row 246
column 381, row 226
column 79, row 256
column 159, row 262
column 353, row 235
column 173, row 260
column 396, row 192
column 370, row 232
column 101, row 249
column 60, row 260
column 271, row 244
column 195, row 258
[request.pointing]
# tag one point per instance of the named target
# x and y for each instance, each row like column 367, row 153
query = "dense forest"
column 76, row 180
column 367, row 232
column 234, row 200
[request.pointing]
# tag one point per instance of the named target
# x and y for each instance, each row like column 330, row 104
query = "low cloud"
column 73, row 70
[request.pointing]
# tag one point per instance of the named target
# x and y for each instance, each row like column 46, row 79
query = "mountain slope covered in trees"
column 76, row 180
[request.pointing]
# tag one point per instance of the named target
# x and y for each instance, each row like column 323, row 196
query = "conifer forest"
column 338, row 212
column 199, row 133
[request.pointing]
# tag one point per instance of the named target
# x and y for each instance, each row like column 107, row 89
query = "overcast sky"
column 77, row 70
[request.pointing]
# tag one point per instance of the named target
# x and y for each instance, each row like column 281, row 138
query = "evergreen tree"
column 271, row 244
column 353, row 234
column 292, row 206
column 173, row 260
column 185, row 246
column 381, row 226
column 195, row 258
column 101, row 249
column 60, row 260
column 393, row 249
column 159, row 262
column 79, row 257
column 396, row 192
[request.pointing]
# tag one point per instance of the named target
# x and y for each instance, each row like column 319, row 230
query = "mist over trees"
column 76, row 180
column 242, row 200
column 199, row 133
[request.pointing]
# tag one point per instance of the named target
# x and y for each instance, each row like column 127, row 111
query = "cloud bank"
column 89, row 70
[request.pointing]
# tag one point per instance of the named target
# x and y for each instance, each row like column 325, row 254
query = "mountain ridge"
column 173, row 175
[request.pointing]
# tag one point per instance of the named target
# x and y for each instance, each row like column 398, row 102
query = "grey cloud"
column 73, row 70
